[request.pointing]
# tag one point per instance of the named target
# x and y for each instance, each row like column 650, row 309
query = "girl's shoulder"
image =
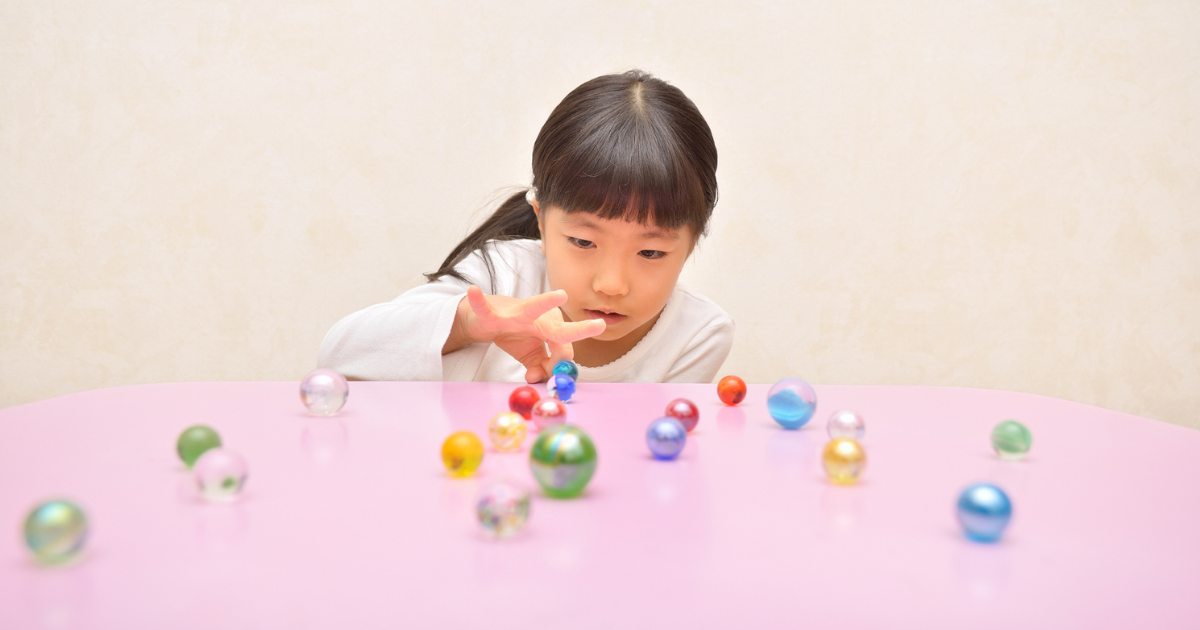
column 697, row 309
column 513, row 267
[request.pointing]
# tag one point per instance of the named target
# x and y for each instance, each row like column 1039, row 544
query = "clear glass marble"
column 984, row 511
column 503, row 509
column 507, row 430
column 845, row 424
column 666, row 437
column 547, row 412
column 194, row 442
column 55, row 531
column 1011, row 440
column 844, row 460
column 791, row 402
column 685, row 412
column 324, row 392
column 561, row 386
column 220, row 474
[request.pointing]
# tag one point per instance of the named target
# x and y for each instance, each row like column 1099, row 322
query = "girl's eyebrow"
column 653, row 232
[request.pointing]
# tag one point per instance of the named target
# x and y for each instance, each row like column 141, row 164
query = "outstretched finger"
column 539, row 305
column 568, row 332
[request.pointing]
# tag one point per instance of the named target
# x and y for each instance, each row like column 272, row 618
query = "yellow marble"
column 844, row 460
column 462, row 453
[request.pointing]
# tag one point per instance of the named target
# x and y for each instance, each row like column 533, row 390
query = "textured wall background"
column 987, row 194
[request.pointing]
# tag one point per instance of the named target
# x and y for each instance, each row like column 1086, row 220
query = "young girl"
column 582, row 266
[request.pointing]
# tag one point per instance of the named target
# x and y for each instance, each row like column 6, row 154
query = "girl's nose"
column 611, row 280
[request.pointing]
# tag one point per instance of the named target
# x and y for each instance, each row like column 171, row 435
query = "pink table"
column 351, row 522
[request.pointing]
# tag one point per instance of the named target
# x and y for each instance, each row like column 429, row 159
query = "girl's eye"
column 578, row 242
column 651, row 254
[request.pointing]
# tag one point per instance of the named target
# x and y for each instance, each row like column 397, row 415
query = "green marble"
column 55, row 531
column 563, row 460
column 1011, row 439
column 194, row 441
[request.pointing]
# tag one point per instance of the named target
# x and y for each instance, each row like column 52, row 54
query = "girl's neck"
column 596, row 353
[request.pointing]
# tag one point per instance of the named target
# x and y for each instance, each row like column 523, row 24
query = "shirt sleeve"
column 402, row 340
column 399, row 340
column 705, row 353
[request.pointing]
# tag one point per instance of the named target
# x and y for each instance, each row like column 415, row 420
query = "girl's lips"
column 609, row 319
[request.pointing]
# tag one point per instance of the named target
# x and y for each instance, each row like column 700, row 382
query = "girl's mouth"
column 610, row 319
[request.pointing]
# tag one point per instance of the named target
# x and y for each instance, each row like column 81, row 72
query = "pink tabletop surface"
column 351, row 521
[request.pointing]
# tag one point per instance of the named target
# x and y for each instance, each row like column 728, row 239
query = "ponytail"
column 514, row 219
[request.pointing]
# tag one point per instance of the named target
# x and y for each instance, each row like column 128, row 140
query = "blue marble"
column 791, row 403
column 561, row 386
column 984, row 511
column 666, row 437
column 567, row 367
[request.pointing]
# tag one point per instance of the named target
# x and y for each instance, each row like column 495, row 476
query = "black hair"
column 621, row 146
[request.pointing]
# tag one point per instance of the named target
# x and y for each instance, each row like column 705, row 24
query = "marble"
column 195, row 441
column 462, row 453
column 507, row 430
column 666, row 437
column 844, row 460
column 791, row 402
column 324, row 392
column 502, row 509
column 220, row 474
column 55, row 531
column 984, row 511
column 563, row 460
column 731, row 390
column 1011, row 440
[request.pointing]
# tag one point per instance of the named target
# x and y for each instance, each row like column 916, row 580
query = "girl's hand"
column 525, row 329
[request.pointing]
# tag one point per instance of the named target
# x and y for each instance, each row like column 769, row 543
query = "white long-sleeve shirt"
column 402, row 340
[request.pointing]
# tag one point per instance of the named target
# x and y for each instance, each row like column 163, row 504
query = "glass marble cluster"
column 666, row 437
column 1011, row 439
column 567, row 367
column 984, row 511
column 791, row 402
column 55, row 531
column 507, row 430
column 220, row 474
column 844, row 460
column 731, row 390
column 462, row 453
column 547, row 412
column 324, row 391
column 503, row 509
column 522, row 400
column 561, row 386
column 563, row 460
column 194, row 442
column 845, row 424
column 685, row 412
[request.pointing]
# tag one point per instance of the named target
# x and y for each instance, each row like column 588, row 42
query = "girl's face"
column 615, row 270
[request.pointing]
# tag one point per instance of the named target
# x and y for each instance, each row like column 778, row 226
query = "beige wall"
column 987, row 194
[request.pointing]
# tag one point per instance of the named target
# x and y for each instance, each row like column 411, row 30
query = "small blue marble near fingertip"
column 561, row 386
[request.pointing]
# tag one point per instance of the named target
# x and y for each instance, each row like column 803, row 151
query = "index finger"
column 570, row 332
